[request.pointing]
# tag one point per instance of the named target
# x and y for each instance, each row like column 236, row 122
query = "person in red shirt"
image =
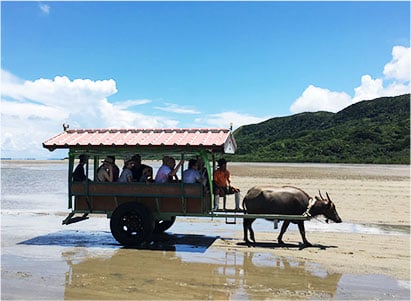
column 222, row 185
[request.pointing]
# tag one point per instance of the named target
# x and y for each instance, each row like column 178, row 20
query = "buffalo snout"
column 336, row 218
column 332, row 215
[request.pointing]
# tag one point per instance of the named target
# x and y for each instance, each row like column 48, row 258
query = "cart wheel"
column 163, row 225
column 131, row 224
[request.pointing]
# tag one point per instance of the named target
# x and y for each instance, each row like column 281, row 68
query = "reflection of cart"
column 139, row 209
column 232, row 275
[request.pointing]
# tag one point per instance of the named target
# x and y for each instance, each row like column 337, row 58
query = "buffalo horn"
column 328, row 197
column 320, row 195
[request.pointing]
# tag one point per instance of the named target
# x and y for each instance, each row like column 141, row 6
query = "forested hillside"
column 373, row 131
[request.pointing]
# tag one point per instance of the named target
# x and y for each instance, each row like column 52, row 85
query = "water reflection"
column 142, row 274
column 210, row 274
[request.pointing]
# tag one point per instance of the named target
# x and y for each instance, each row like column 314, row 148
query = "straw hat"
column 108, row 160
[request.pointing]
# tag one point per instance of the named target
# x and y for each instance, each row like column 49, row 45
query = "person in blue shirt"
column 191, row 174
column 127, row 174
column 167, row 173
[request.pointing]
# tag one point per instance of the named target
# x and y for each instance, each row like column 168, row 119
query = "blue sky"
column 191, row 64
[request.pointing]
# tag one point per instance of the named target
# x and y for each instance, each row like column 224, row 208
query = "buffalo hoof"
column 249, row 243
column 280, row 242
column 305, row 245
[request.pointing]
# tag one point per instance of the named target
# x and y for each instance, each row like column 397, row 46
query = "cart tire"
column 163, row 225
column 131, row 224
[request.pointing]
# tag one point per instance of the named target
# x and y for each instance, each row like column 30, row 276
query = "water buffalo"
column 285, row 200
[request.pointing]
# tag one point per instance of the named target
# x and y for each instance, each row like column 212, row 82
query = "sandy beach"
column 365, row 257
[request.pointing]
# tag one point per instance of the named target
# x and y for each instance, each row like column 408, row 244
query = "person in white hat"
column 105, row 171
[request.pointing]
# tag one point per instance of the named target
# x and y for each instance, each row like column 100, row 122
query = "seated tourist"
column 79, row 175
column 141, row 172
column 127, row 174
column 222, row 185
column 105, row 170
column 167, row 173
column 116, row 170
column 191, row 174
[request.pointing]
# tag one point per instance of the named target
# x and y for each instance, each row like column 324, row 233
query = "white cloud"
column 174, row 108
column 24, row 126
column 45, row 9
column 396, row 82
column 319, row 99
column 32, row 111
column 60, row 91
column 117, row 117
column 374, row 88
column 132, row 103
column 400, row 66
column 224, row 119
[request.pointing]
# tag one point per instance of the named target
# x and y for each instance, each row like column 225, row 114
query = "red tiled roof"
column 217, row 140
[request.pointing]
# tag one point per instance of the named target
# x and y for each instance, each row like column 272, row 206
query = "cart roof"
column 177, row 139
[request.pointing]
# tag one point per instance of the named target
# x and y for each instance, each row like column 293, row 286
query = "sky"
column 191, row 64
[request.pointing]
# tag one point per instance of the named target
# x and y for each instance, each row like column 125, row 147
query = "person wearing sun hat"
column 105, row 171
column 222, row 185
column 116, row 170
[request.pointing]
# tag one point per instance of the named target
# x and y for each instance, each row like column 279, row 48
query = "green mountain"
column 373, row 131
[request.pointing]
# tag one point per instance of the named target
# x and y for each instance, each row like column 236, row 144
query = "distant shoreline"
column 39, row 161
column 232, row 163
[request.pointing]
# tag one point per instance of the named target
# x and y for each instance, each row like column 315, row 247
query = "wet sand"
column 203, row 259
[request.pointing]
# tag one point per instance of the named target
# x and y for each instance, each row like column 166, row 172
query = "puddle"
column 228, row 275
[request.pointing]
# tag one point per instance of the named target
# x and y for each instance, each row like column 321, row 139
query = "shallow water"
column 41, row 259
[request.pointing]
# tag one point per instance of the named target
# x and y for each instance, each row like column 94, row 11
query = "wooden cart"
column 137, row 210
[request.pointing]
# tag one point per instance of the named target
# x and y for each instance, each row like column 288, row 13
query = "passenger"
column 167, row 172
column 222, row 185
column 203, row 172
column 147, row 175
column 79, row 175
column 191, row 174
column 141, row 172
column 127, row 174
column 105, row 171
column 116, row 170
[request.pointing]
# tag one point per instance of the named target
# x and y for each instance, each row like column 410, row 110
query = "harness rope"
column 311, row 202
column 307, row 213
